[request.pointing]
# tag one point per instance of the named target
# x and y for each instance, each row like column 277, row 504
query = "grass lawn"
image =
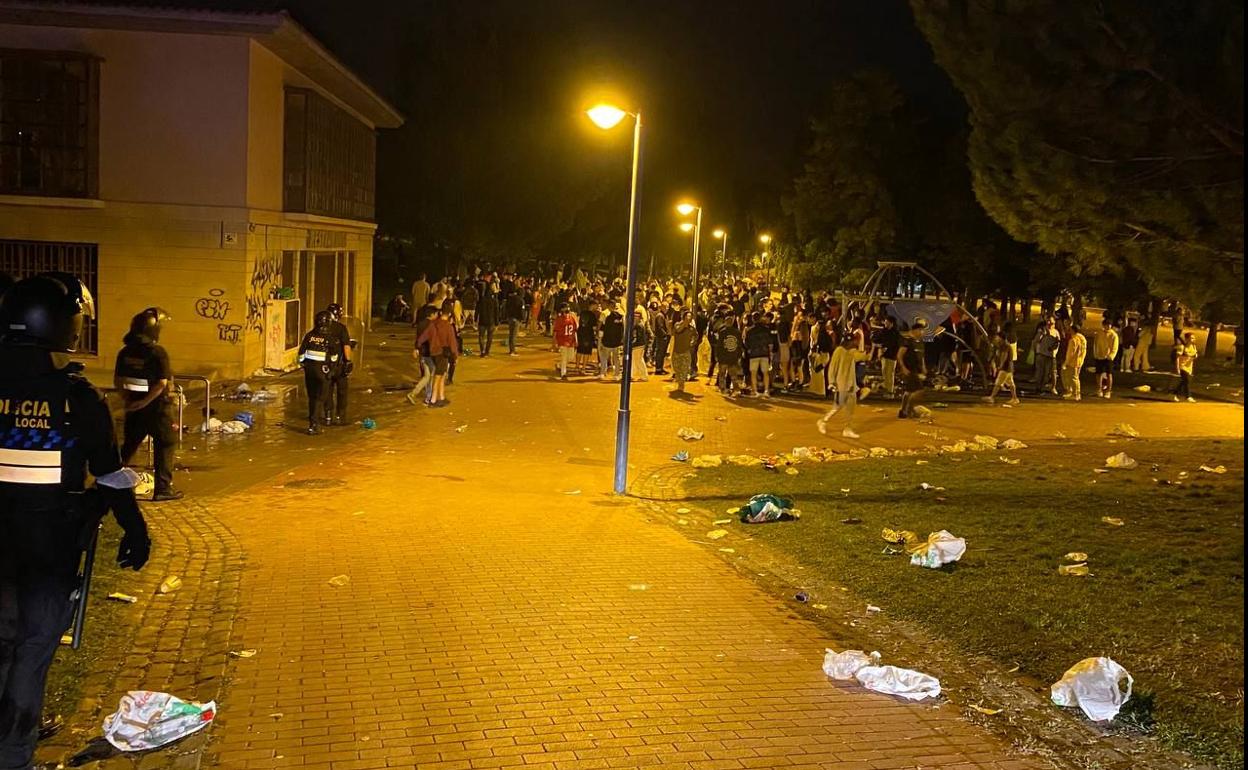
column 1166, row 595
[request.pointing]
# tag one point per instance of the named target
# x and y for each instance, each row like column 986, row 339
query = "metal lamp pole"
column 697, row 244
column 630, row 301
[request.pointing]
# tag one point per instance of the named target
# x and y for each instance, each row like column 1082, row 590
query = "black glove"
column 134, row 549
column 348, row 367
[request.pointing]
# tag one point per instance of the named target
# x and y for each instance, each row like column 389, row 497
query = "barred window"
column 48, row 116
column 330, row 159
column 23, row 259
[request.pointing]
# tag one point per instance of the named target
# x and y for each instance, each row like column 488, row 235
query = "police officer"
column 336, row 397
column 143, row 376
column 55, row 428
column 320, row 353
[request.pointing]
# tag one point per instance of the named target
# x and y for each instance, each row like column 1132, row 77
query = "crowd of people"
column 752, row 341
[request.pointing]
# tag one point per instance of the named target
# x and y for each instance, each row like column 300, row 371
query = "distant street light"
column 765, row 239
column 606, row 116
column 685, row 209
column 722, row 234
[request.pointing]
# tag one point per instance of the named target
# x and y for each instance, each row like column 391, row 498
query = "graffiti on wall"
column 231, row 333
column 213, row 307
column 264, row 278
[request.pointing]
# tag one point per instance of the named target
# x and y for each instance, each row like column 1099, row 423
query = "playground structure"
column 907, row 292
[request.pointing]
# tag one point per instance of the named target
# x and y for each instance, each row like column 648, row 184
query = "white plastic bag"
column 233, row 426
column 941, row 548
column 844, row 665
column 890, row 680
column 1093, row 684
column 211, row 425
column 689, row 434
column 146, row 720
column 1120, row 460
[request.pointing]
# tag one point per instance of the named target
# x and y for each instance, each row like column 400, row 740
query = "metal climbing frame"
column 909, row 281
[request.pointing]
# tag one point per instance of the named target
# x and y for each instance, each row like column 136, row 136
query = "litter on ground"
column 1012, row 444
column 1073, row 570
column 681, row 456
column 689, row 434
column 1143, row 388
column 243, row 653
column 1113, row 521
column 120, row 597
column 1124, row 429
column 891, row 680
column 1076, row 556
column 899, row 536
column 338, row 581
column 1219, row 469
column 941, row 548
column 147, row 720
column 170, row 584
column 707, row 461
column 844, row 665
column 764, row 508
column 716, row 534
column 1121, row 460
column 1095, row 686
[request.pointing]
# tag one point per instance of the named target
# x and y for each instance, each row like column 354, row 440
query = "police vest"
column 134, row 370
column 40, row 445
column 319, row 348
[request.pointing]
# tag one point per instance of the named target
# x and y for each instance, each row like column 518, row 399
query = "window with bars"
column 23, row 259
column 48, row 117
column 329, row 159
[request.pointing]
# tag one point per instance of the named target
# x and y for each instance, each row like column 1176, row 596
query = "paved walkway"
column 503, row 610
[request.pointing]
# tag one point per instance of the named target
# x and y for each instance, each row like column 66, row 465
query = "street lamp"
column 722, row 235
column 606, row 116
column 685, row 209
column 765, row 239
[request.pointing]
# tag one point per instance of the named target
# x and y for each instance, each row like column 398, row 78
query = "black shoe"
column 339, row 421
column 167, row 494
column 51, row 725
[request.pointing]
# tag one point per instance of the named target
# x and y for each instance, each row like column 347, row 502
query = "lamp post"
column 605, row 117
column 685, row 209
column 722, row 235
column 765, row 239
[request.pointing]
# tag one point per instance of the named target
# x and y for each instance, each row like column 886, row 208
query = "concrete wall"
column 173, row 111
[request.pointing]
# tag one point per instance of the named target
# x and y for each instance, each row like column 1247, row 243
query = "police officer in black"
column 55, row 431
column 143, row 377
column 336, row 397
column 320, row 353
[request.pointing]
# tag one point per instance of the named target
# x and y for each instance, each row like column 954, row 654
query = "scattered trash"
column 707, row 461
column 572, row 492
column 716, row 534
column 920, row 462
column 791, row 471
column 878, row 451
column 802, row 597
column 941, row 548
column 891, row 680
column 922, row 412
column 1100, row 470
column 170, row 584
column 146, row 484
column 234, row 427
column 461, row 428
column 1125, row 430
column 1219, row 469
column 211, row 425
column 929, row 488
column 844, row 665
column 764, row 508
column 689, row 434
column 243, row 653
column 1095, row 686
column 1076, row 556
column 744, row 461
column 1057, row 434
column 988, row 711
column 147, row 720
column 120, row 597
column 1009, row 461
column 638, row 587
column 682, row 510
column 1143, row 388
column 1121, row 460
column 1113, row 521
column 872, row 609
column 721, row 522
column 1074, row 570
column 368, row 423
column 681, row 456
column 338, row 581
column 769, row 437
column 986, row 441
column 727, row 550
column 247, row 418
column 1012, row 444
column 819, row 606
column 899, row 537
column 851, row 520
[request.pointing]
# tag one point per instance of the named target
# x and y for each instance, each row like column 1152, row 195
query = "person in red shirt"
column 565, row 338
column 442, row 345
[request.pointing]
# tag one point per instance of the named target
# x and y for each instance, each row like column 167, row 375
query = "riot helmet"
column 147, row 323
column 46, row 311
column 334, row 310
column 322, row 320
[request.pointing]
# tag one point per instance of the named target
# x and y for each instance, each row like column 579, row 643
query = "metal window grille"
column 330, row 159
column 23, row 259
column 48, row 117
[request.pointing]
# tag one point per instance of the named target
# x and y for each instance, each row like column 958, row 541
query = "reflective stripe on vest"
column 134, row 384
column 28, row 466
column 314, row 355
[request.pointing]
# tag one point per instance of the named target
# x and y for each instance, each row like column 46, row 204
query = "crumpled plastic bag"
column 844, row 665
column 922, row 412
column 211, row 425
column 1094, row 685
column 1125, row 430
column 146, row 484
column 1012, row 444
column 764, row 508
column 707, row 461
column 891, row 680
column 940, row 549
column 689, row 434
column 1143, row 388
column 745, row 461
column 147, row 720
column 899, row 536
column 987, row 441
column 1120, row 460
column 234, row 426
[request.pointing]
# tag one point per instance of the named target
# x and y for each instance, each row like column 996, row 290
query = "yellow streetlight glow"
column 719, row 233
column 605, row 115
column 764, row 239
column 686, row 209
column 686, row 227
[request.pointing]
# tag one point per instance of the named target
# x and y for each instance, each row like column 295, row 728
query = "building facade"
column 217, row 165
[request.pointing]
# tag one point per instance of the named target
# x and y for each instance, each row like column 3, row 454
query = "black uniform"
column 54, row 427
column 141, row 365
column 336, row 395
column 320, row 352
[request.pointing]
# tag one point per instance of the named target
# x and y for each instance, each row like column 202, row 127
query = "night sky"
column 497, row 151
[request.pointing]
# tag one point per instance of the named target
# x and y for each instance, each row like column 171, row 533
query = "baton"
column 83, row 590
